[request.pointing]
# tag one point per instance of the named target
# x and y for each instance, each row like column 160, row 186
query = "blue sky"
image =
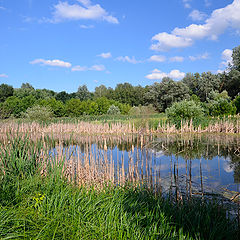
column 61, row 45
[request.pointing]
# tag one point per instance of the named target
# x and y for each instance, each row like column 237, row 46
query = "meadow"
column 48, row 193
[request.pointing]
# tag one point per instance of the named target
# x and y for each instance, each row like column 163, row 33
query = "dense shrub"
column 220, row 104
column 113, row 110
column 184, row 110
column 38, row 113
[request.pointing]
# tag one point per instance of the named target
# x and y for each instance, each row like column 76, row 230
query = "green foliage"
column 236, row 102
column 5, row 92
column 63, row 96
column 57, row 107
column 73, row 108
column 184, row 110
column 37, row 112
column 15, row 106
column 163, row 95
column 202, row 85
column 220, row 104
column 113, row 110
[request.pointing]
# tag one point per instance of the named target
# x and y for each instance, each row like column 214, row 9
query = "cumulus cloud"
column 199, row 57
column 92, row 68
column 54, row 63
column 215, row 25
column 196, row 15
column 176, row 59
column 3, row 75
column 105, row 55
column 84, row 9
column 166, row 41
column 157, row 58
column 158, row 75
column 227, row 57
column 128, row 59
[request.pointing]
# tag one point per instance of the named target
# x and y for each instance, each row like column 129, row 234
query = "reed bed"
column 225, row 125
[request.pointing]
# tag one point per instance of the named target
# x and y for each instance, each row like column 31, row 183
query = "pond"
column 190, row 164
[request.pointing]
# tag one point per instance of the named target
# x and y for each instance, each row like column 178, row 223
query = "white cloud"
column 128, row 59
column 176, row 59
column 54, row 63
column 65, row 11
column 3, row 75
column 105, row 55
column 199, row 57
column 86, row 26
column 92, row 68
column 157, row 58
column 157, row 74
column 97, row 68
column 2, row 8
column 226, row 57
column 196, row 15
column 215, row 25
column 166, row 41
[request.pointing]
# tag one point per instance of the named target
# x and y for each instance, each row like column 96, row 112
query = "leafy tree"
column 63, row 96
column 103, row 105
column 236, row 59
column 101, row 91
column 163, row 95
column 57, row 107
column 126, row 93
column 5, row 92
column 27, row 86
column 73, row 108
column 83, row 94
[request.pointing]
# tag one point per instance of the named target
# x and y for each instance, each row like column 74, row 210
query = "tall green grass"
column 35, row 206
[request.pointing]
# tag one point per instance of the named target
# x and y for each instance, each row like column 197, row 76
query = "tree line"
column 215, row 94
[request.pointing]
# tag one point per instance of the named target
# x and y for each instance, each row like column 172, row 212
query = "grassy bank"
column 38, row 201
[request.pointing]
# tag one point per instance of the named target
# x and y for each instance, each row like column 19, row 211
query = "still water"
column 194, row 164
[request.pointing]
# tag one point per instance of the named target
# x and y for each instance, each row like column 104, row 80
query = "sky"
column 61, row 45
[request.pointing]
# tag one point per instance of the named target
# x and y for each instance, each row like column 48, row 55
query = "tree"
column 163, row 95
column 101, row 91
column 63, row 96
column 83, row 94
column 73, row 108
column 5, row 92
column 236, row 59
column 57, row 107
column 27, row 86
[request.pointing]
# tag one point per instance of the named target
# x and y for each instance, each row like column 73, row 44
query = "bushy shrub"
column 134, row 111
column 237, row 103
column 184, row 110
column 220, row 104
column 38, row 113
column 113, row 110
